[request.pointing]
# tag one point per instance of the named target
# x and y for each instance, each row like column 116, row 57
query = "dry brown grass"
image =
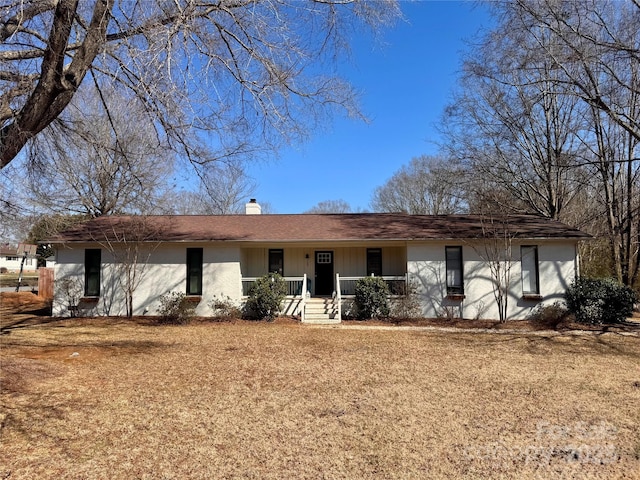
column 258, row 400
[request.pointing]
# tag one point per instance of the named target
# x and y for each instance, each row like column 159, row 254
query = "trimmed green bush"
column 265, row 297
column 372, row 298
column 598, row 301
column 175, row 307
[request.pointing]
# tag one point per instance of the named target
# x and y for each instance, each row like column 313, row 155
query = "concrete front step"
column 321, row 317
column 320, row 311
column 317, row 321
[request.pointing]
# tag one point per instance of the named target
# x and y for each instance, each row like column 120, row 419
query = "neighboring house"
column 446, row 259
column 11, row 259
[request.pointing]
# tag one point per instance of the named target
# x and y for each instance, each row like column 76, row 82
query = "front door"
column 324, row 273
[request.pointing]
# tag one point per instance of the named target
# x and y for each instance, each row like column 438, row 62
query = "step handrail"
column 303, row 305
column 338, row 297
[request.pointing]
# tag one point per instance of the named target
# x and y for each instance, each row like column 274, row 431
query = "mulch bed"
column 25, row 308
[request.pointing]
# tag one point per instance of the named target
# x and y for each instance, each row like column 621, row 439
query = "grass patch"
column 264, row 400
column 11, row 280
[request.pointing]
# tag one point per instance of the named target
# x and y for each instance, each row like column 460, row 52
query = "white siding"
column 224, row 266
column 426, row 267
column 164, row 271
column 12, row 263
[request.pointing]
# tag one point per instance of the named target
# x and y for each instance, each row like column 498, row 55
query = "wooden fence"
column 45, row 283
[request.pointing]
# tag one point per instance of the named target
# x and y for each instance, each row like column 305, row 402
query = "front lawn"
column 98, row 398
column 29, row 279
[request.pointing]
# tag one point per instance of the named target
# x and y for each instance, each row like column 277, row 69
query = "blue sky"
column 405, row 80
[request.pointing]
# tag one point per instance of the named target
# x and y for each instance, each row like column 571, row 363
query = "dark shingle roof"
column 312, row 227
column 7, row 251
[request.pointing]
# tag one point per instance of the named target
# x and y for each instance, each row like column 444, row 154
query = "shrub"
column 175, row 307
column 598, row 301
column 407, row 303
column 71, row 290
column 548, row 316
column 372, row 298
column 265, row 297
column 224, row 308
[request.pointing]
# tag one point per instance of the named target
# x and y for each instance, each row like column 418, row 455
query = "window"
column 12, row 259
column 92, row 259
column 374, row 261
column 323, row 257
column 276, row 261
column 530, row 277
column 455, row 284
column 194, row 271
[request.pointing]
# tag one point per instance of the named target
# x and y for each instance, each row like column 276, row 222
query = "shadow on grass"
column 26, row 420
column 569, row 341
column 38, row 318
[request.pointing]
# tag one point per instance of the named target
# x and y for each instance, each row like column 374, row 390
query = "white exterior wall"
column 165, row 271
column 557, row 263
column 224, row 266
column 13, row 265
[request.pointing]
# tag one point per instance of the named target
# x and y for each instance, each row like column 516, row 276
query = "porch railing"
column 303, row 306
column 397, row 284
column 339, row 296
column 295, row 285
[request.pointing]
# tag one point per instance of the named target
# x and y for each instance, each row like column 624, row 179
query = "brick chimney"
column 253, row 207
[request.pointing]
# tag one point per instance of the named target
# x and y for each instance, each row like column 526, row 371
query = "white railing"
column 298, row 286
column 397, row 284
column 338, row 297
column 303, row 303
column 295, row 285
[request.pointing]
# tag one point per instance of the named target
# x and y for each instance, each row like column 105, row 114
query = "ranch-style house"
column 448, row 261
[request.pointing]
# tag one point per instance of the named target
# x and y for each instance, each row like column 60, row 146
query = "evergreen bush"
column 265, row 297
column 598, row 301
column 372, row 298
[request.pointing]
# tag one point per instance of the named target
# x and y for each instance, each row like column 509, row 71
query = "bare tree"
column 427, row 186
column 547, row 119
column 616, row 176
column 598, row 42
column 116, row 164
column 240, row 72
column 224, row 188
column 12, row 225
column 513, row 129
column 330, row 206
column 131, row 242
column 496, row 249
column 593, row 47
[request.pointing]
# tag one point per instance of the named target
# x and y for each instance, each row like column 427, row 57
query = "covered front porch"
column 344, row 285
column 321, row 278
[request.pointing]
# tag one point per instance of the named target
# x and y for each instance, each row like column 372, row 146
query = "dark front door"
column 324, row 273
